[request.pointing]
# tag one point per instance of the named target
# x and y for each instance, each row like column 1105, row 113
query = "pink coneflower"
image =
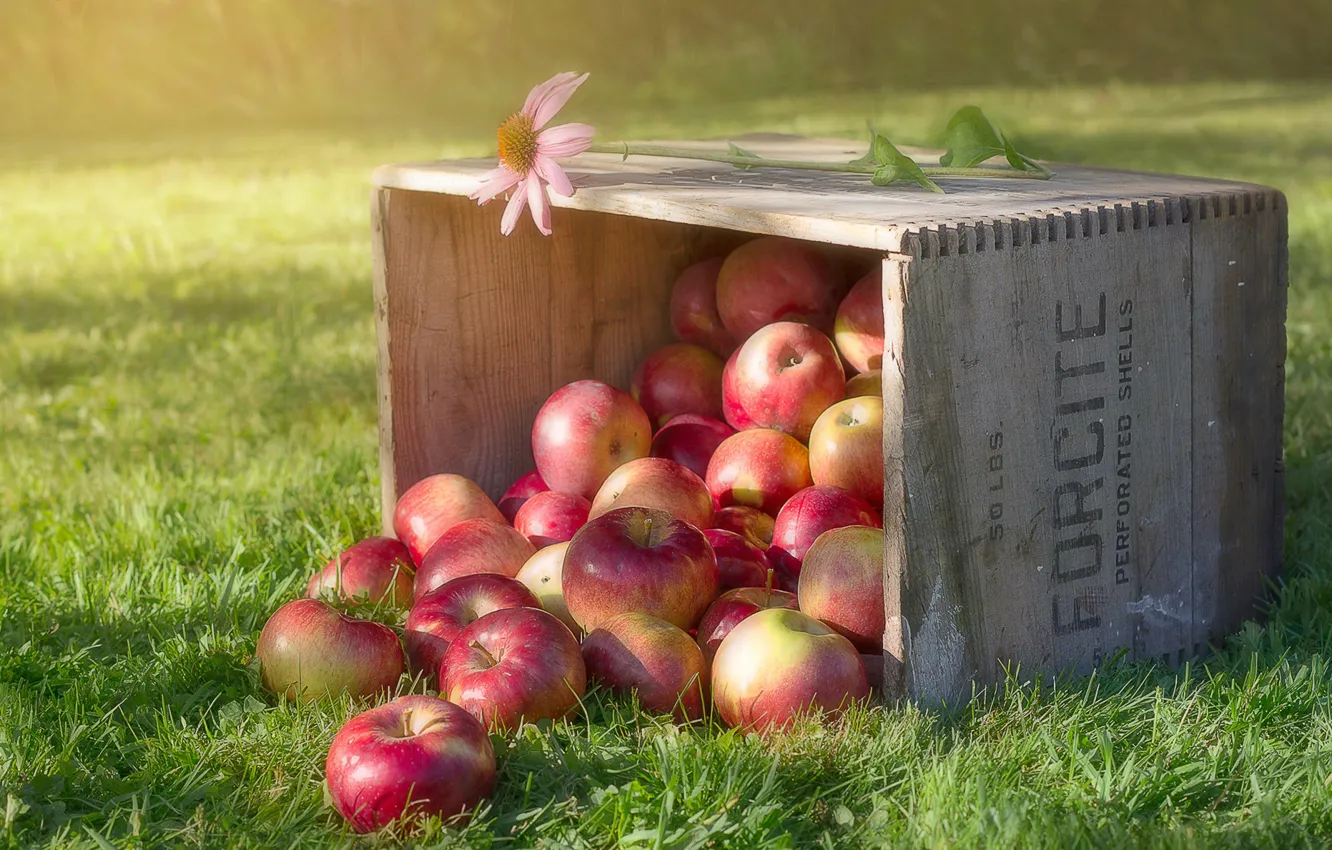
column 527, row 154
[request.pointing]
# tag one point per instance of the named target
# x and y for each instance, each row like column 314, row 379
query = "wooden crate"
column 1083, row 387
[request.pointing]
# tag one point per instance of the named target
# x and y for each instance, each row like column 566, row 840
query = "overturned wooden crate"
column 1083, row 382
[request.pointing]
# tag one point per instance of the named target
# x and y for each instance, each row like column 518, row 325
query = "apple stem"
column 768, row 586
column 407, row 723
column 476, row 644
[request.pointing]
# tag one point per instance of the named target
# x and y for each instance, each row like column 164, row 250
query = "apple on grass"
column 739, row 562
column 639, row 652
column 583, row 432
column 732, row 410
column 514, row 665
column 655, row 482
column 309, row 650
column 786, row 374
column 542, row 574
column 858, row 328
column 846, row 448
column 804, row 517
column 519, row 492
column 551, row 517
column 373, row 571
column 777, row 665
column 865, row 384
column 413, row 757
column 438, row 616
column 772, row 279
column 750, row 523
column 690, row 440
column 842, row 584
column 639, row 559
column 472, row 547
column 678, row 379
column 433, row 505
column 693, row 310
column 759, row 468
column 735, row 605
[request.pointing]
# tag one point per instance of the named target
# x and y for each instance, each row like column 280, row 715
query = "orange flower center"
column 517, row 143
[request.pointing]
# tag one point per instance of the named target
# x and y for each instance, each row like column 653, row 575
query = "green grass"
column 187, row 428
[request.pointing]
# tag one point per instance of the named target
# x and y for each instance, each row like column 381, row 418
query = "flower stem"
column 627, row 149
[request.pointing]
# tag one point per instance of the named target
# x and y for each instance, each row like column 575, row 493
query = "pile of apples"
column 711, row 537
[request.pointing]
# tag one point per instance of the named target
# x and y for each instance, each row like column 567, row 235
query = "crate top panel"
column 840, row 209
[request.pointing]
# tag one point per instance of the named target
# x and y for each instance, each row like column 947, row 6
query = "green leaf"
column 971, row 138
column 895, row 165
column 735, row 150
column 868, row 158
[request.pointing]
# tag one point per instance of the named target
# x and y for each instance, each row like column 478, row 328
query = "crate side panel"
column 1037, row 533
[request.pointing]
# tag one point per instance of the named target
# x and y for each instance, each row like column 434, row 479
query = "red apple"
column 808, row 514
column 512, row 665
column 678, row 379
column 858, row 328
column 639, row 559
column 519, row 492
column 775, row 280
column 638, row 652
column 583, row 432
column 375, row 571
column 654, row 482
column 750, row 523
column 308, row 649
column 865, row 384
column 690, row 440
column 694, row 316
column 733, row 606
column 739, row 562
column 433, row 505
column 543, row 574
column 732, row 410
column 846, row 448
column 841, row 584
column 551, row 517
column 472, row 547
column 413, row 757
column 778, row 664
column 438, row 616
column 786, row 375
column 759, row 468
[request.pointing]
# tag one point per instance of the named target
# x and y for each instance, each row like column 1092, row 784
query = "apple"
column 750, row 523
column 846, row 448
column 786, row 374
column 759, row 468
column 583, row 432
column 778, row 664
column 639, row 652
column 433, row 505
column 690, row 440
column 438, row 616
column 519, row 492
column 655, row 482
column 858, row 328
column 375, row 571
column 512, row 665
column 693, row 310
column 471, row 547
column 543, row 574
column 808, row 514
column 774, row 280
column 733, row 606
column 865, row 384
column 413, row 757
column 678, row 379
column 739, row 562
column 308, row 649
column 732, row 410
column 841, row 584
column 639, row 559
column 551, row 517
column 873, row 662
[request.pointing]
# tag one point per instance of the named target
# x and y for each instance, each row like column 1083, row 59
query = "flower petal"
column 540, row 203
column 565, row 140
column 541, row 107
column 550, row 171
column 497, row 181
column 517, row 203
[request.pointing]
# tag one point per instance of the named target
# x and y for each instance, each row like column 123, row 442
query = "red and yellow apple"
column 732, row 410
column 374, row 571
column 583, row 432
column 759, row 468
column 739, row 562
column 771, row 280
column 639, row 652
column 309, row 650
column 690, row 440
column 678, row 379
column 438, row 616
column 846, row 448
column 693, row 309
column 472, row 547
column 655, row 482
column 551, row 517
column 865, row 384
column 733, row 606
column 433, row 505
column 841, row 583
column 786, row 374
column 808, row 514
column 543, row 575
column 750, row 523
column 858, row 328
column 519, row 492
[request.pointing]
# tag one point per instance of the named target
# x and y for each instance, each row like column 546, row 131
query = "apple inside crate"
column 1082, row 382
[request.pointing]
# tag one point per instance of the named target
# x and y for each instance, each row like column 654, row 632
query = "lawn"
column 187, row 429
